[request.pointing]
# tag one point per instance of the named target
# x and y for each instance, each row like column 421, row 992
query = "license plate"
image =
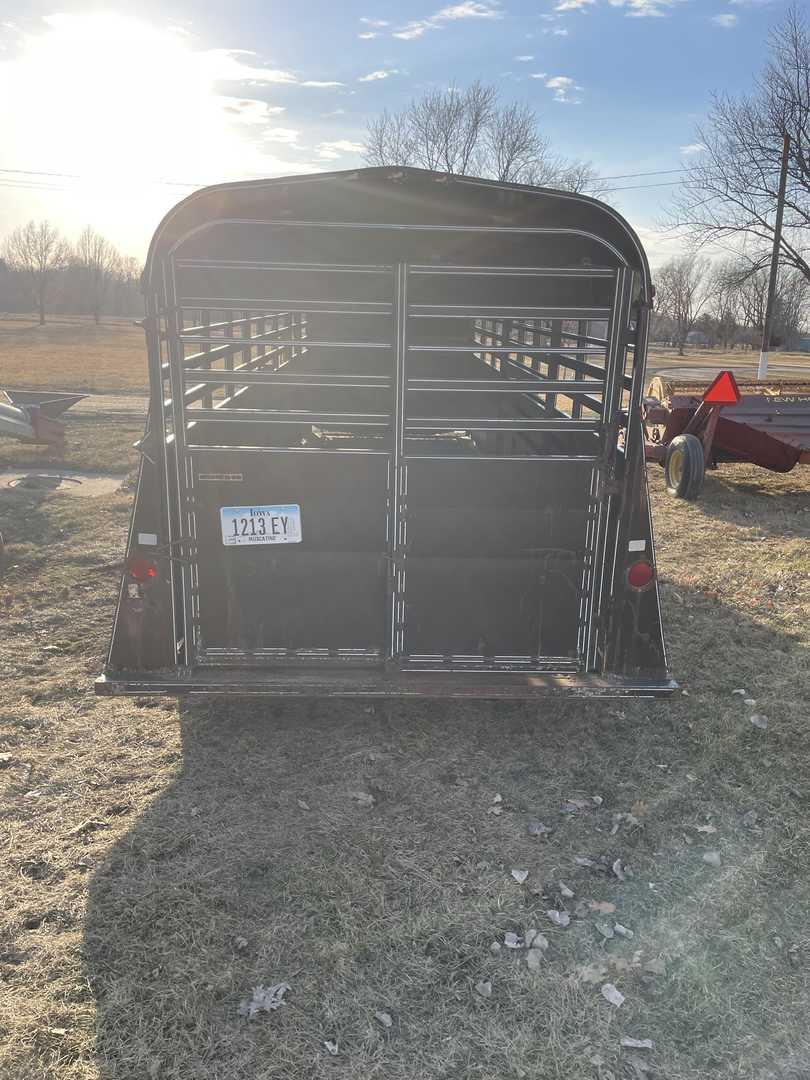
column 260, row 524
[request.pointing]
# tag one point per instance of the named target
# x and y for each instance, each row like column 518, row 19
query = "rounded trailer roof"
column 398, row 197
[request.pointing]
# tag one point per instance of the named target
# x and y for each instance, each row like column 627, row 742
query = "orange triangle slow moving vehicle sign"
column 723, row 391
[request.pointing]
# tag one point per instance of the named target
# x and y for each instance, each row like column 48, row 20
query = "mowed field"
column 162, row 861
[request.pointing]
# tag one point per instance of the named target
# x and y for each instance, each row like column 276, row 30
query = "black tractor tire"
column 684, row 467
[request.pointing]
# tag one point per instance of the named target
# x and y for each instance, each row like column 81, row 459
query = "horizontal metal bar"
column 464, row 311
column 579, row 366
column 435, row 423
column 430, row 268
column 265, row 378
column 497, row 350
column 289, row 416
column 247, row 264
column 501, row 457
column 199, row 450
column 292, row 341
column 537, row 385
column 224, row 324
column 272, row 307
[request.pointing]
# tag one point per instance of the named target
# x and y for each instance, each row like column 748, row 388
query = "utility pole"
column 777, row 241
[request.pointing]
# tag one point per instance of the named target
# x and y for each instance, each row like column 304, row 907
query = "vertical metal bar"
column 397, row 506
column 186, row 522
column 582, row 332
column 614, row 379
column 205, row 322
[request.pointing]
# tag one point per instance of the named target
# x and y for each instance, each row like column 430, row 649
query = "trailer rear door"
column 393, row 462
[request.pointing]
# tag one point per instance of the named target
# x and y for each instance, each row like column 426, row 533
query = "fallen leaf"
column 520, row 875
column 592, row 973
column 622, row 931
column 637, row 1044
column 496, row 810
column 706, row 828
column 534, row 960
column 384, row 1018
column 570, row 806
column 604, row 907
column 656, row 966
column 332, row 1047
column 512, row 941
column 536, row 940
column 639, row 808
column 604, row 928
column 484, row 988
column 559, row 918
column 537, row 828
column 611, row 994
column 583, row 860
column 362, row 798
column 498, row 799
column 6, row 759
column 597, row 800
column 618, row 870
column 565, row 892
column 240, row 943
column 620, row 964
column 91, row 825
column 713, row 858
column 495, row 948
column 750, row 702
column 303, row 805
column 742, row 693
column 759, row 721
column 264, row 999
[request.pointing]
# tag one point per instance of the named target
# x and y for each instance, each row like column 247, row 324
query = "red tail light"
column 723, row 391
column 140, row 569
column 640, row 575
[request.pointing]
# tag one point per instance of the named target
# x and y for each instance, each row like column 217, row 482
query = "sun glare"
column 121, row 104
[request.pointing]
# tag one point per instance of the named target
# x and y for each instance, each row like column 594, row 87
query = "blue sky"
column 132, row 109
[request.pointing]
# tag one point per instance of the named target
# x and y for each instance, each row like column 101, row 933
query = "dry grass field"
column 71, row 353
column 161, row 861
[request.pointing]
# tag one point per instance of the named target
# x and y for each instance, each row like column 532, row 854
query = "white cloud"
column 564, row 89
column 368, row 35
column 727, row 21
column 378, row 23
column 374, row 76
column 468, row 9
column 331, row 151
column 692, row 148
column 249, row 110
column 539, row 75
column 318, row 82
column 640, row 9
column 558, row 32
column 288, row 136
column 524, row 59
column 573, row 5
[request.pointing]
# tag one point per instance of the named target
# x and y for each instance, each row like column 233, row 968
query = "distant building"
column 803, row 345
column 697, row 337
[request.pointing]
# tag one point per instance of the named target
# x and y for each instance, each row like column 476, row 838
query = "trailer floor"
column 161, row 863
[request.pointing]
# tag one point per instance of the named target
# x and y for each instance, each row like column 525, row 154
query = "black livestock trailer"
column 394, row 446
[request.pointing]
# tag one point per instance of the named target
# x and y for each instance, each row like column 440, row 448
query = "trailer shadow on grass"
column 364, row 855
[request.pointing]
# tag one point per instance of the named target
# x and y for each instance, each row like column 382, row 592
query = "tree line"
column 722, row 303
column 41, row 270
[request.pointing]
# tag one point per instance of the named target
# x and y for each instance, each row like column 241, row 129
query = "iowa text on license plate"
column 260, row 524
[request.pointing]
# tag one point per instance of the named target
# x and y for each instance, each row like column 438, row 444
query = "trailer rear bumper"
column 380, row 684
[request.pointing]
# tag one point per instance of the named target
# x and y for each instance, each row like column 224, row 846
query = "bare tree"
column 467, row 132
column 730, row 192
column 97, row 261
column 681, row 293
column 37, row 252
